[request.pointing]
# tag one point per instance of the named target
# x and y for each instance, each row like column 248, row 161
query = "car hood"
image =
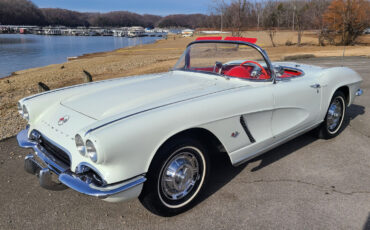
column 135, row 94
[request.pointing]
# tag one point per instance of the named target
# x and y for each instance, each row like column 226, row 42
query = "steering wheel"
column 257, row 64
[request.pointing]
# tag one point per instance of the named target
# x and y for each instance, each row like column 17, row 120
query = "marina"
column 134, row 31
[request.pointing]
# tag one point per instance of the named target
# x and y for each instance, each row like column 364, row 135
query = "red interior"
column 245, row 71
column 242, row 71
column 289, row 73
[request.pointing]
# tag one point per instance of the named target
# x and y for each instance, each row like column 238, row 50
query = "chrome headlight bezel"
column 91, row 151
column 80, row 145
column 25, row 114
column 20, row 108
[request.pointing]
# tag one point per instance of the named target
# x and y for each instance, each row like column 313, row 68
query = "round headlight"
column 80, row 145
column 26, row 115
column 20, row 109
column 91, row 151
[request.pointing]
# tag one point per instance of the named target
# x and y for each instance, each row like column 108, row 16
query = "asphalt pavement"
column 306, row 183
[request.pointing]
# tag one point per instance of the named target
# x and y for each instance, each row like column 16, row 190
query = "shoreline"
column 64, row 57
column 155, row 57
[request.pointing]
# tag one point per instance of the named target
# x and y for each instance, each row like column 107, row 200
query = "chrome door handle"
column 315, row 86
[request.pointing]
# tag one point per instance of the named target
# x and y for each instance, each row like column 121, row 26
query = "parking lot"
column 306, row 183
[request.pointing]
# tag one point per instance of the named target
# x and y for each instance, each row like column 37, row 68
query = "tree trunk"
column 272, row 35
column 299, row 40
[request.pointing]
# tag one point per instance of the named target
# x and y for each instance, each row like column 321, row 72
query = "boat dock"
column 134, row 31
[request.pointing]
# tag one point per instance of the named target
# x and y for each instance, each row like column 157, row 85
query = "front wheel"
column 176, row 177
column 334, row 118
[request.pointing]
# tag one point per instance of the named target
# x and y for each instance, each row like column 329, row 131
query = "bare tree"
column 302, row 20
column 271, row 20
column 219, row 8
column 317, row 9
column 259, row 10
column 238, row 8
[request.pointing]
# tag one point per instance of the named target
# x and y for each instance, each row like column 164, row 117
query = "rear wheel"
column 176, row 177
column 334, row 118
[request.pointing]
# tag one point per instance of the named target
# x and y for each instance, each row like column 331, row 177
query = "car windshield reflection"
column 226, row 59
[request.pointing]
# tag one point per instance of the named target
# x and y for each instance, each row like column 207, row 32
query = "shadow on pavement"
column 222, row 172
column 367, row 223
column 354, row 110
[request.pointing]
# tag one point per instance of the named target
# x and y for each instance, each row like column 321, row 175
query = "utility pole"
column 221, row 19
column 294, row 9
column 222, row 7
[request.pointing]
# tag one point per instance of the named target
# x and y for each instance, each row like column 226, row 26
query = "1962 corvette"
column 152, row 136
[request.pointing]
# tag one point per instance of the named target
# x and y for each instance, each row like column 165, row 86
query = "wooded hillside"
column 331, row 17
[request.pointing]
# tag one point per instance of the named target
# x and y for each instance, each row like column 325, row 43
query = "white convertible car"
column 152, row 136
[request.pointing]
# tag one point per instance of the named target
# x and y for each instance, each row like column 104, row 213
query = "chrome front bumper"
column 41, row 164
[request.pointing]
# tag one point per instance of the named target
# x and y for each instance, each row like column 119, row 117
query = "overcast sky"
column 159, row 7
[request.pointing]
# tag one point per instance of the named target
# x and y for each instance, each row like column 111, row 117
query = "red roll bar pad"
column 241, row 39
column 209, row 38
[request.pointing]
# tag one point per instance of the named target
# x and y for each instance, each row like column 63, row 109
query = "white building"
column 136, row 31
column 187, row 33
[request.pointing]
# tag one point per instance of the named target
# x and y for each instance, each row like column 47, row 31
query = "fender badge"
column 63, row 120
column 235, row 134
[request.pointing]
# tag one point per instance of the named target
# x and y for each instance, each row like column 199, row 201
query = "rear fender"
column 332, row 79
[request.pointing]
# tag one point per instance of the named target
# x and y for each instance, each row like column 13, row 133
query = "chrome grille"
column 55, row 151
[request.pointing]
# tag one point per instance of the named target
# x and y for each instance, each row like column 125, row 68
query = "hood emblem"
column 63, row 120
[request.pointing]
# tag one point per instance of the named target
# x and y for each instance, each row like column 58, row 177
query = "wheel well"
column 345, row 91
column 204, row 136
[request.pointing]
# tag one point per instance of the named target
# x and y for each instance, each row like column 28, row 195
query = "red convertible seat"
column 238, row 71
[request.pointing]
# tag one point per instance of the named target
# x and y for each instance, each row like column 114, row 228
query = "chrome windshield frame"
column 254, row 46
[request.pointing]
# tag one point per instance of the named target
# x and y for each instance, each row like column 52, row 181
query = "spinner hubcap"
column 335, row 114
column 180, row 175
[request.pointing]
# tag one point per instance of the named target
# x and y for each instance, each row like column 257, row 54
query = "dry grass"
column 152, row 58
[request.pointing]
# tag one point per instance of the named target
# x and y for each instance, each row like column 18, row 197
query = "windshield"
column 229, row 59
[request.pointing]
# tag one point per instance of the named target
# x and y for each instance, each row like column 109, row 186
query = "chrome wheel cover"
column 335, row 115
column 179, row 175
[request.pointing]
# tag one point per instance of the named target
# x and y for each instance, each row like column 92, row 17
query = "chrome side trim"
column 245, row 127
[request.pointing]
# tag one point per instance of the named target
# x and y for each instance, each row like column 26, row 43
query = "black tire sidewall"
column 324, row 130
column 150, row 196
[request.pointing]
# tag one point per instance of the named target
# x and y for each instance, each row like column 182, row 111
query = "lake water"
column 23, row 51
